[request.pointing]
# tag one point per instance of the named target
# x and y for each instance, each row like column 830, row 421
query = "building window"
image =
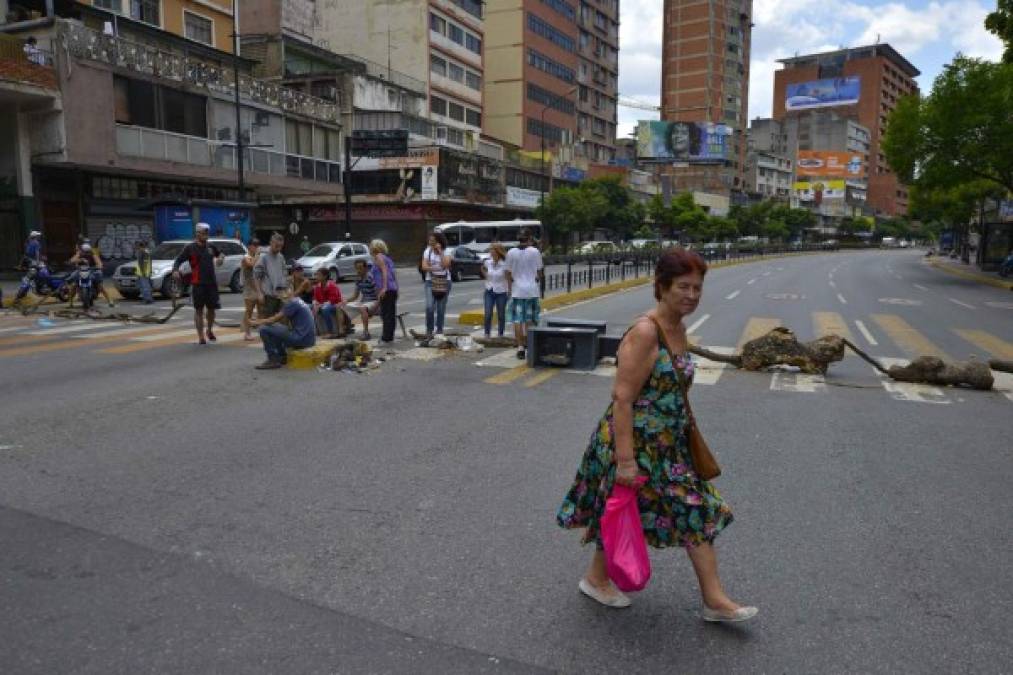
column 474, row 118
column 437, row 65
column 144, row 104
column 455, row 72
column 562, row 7
column 474, row 81
column 473, row 7
column 455, row 33
column 437, row 24
column 547, row 65
column 473, row 43
column 548, row 98
column 548, row 131
column 456, row 112
column 455, row 136
column 198, row 28
column 437, row 106
column 111, row 5
column 146, row 11
column 545, row 30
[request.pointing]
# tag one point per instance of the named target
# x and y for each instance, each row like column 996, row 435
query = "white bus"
column 478, row 234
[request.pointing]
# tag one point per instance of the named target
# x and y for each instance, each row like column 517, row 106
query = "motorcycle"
column 1006, row 268
column 85, row 286
column 40, row 281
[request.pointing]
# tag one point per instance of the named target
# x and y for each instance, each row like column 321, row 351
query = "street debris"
column 780, row 347
column 352, row 356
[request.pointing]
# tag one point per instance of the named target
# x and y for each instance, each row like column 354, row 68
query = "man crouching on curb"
column 277, row 338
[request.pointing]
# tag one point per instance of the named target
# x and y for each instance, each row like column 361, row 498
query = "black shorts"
column 205, row 296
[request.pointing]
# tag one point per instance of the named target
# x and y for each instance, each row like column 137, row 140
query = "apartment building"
column 134, row 134
column 769, row 175
column 705, row 79
column 552, row 76
column 208, row 22
column 862, row 84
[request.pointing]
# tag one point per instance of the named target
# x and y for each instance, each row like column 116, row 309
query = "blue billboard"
column 823, row 93
column 176, row 222
column 682, row 141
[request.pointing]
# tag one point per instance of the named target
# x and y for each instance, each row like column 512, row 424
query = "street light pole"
column 240, row 178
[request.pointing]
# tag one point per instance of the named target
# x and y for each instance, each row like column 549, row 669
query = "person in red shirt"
column 326, row 300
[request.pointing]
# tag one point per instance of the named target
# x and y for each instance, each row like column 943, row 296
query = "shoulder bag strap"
column 683, row 385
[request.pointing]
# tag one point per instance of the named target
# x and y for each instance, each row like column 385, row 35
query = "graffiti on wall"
column 117, row 239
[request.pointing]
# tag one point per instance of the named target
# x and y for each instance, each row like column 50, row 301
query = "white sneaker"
column 616, row 598
column 724, row 616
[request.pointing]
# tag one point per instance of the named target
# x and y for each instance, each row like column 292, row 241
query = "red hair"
column 676, row 262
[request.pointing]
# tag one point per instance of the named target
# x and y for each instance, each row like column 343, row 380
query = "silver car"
column 337, row 257
column 162, row 257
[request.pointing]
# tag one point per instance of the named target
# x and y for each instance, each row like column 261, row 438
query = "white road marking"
column 833, row 285
column 699, row 322
column 71, row 329
column 841, row 298
column 898, row 277
column 1003, row 383
column 906, row 391
column 709, row 372
column 732, row 296
column 920, row 287
column 797, row 382
column 504, row 358
column 962, row 304
column 865, row 333
column 751, row 282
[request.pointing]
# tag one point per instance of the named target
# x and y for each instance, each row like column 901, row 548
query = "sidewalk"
column 970, row 272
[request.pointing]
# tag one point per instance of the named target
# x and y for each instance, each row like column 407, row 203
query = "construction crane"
column 629, row 102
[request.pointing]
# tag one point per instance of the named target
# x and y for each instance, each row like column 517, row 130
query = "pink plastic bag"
column 622, row 536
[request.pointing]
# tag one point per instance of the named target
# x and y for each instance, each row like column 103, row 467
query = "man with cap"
column 203, row 259
column 33, row 248
column 87, row 254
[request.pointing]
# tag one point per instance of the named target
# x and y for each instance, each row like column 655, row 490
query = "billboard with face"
column 823, row 93
column 682, row 141
column 829, row 164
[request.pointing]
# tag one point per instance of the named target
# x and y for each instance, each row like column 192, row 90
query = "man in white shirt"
column 524, row 271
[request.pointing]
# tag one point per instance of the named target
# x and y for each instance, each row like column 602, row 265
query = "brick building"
column 883, row 77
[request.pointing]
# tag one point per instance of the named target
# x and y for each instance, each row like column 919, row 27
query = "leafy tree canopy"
column 1000, row 22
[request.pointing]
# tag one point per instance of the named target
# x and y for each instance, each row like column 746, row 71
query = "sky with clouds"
column 927, row 33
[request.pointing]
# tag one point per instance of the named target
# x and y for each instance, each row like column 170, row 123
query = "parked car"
column 162, row 257
column 337, row 257
column 464, row 263
column 597, row 247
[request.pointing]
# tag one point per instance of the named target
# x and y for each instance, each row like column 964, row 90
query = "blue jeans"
column 277, row 338
column 436, row 309
column 144, row 283
column 329, row 313
column 499, row 300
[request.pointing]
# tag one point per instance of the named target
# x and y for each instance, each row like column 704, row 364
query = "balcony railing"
column 381, row 120
column 384, row 73
column 88, row 44
column 167, row 146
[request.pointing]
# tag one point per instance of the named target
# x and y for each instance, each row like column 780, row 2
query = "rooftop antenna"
column 877, row 38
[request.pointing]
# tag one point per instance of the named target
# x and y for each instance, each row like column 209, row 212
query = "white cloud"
column 927, row 33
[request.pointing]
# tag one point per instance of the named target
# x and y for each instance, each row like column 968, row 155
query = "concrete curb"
column 311, row 357
column 476, row 317
column 973, row 276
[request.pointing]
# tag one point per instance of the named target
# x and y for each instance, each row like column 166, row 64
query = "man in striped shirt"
column 365, row 300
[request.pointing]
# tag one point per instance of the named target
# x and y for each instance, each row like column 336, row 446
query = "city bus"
column 478, row 234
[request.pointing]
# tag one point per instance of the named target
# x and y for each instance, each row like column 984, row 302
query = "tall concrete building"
column 439, row 42
column 862, row 84
column 705, row 78
column 552, row 75
column 208, row 22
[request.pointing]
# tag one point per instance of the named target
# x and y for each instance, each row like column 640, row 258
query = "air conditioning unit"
column 441, row 135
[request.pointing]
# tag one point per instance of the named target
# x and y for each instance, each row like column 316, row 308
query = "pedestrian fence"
column 586, row 271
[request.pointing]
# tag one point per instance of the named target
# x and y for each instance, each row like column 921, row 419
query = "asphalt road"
column 166, row 508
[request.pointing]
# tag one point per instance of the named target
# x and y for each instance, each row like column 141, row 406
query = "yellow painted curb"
column 980, row 278
column 476, row 317
column 311, row 357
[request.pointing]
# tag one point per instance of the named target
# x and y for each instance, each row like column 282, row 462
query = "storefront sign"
column 413, row 159
column 428, row 184
column 522, row 197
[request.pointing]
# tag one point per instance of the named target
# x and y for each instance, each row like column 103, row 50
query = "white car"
column 597, row 247
column 162, row 258
column 337, row 257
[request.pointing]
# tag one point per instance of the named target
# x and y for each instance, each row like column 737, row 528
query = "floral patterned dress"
column 677, row 508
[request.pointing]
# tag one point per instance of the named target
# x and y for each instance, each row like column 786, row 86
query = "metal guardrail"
column 584, row 271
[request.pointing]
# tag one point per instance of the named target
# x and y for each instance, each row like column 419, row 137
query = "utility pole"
column 347, row 182
column 240, row 178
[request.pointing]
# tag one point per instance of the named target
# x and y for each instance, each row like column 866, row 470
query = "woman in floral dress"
column 643, row 432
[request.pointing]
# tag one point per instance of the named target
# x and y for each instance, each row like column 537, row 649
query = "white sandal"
column 616, row 598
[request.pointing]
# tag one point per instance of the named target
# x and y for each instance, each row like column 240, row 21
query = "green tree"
column 796, row 220
column 960, row 133
column 622, row 213
column 1000, row 22
column 568, row 210
column 723, row 228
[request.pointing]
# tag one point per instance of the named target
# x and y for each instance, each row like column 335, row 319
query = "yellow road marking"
column 831, row 323
column 543, row 376
column 64, row 344
column 508, row 376
column 907, row 337
column 141, row 346
column 757, row 326
column 997, row 347
column 23, row 339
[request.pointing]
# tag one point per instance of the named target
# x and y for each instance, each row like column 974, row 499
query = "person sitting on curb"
column 277, row 338
column 326, row 300
column 365, row 300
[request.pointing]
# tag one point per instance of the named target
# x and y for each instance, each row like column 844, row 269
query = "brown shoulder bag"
column 704, row 464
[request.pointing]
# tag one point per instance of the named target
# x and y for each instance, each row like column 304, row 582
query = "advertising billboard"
column 829, row 164
column 818, row 191
column 823, row 93
column 682, row 141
